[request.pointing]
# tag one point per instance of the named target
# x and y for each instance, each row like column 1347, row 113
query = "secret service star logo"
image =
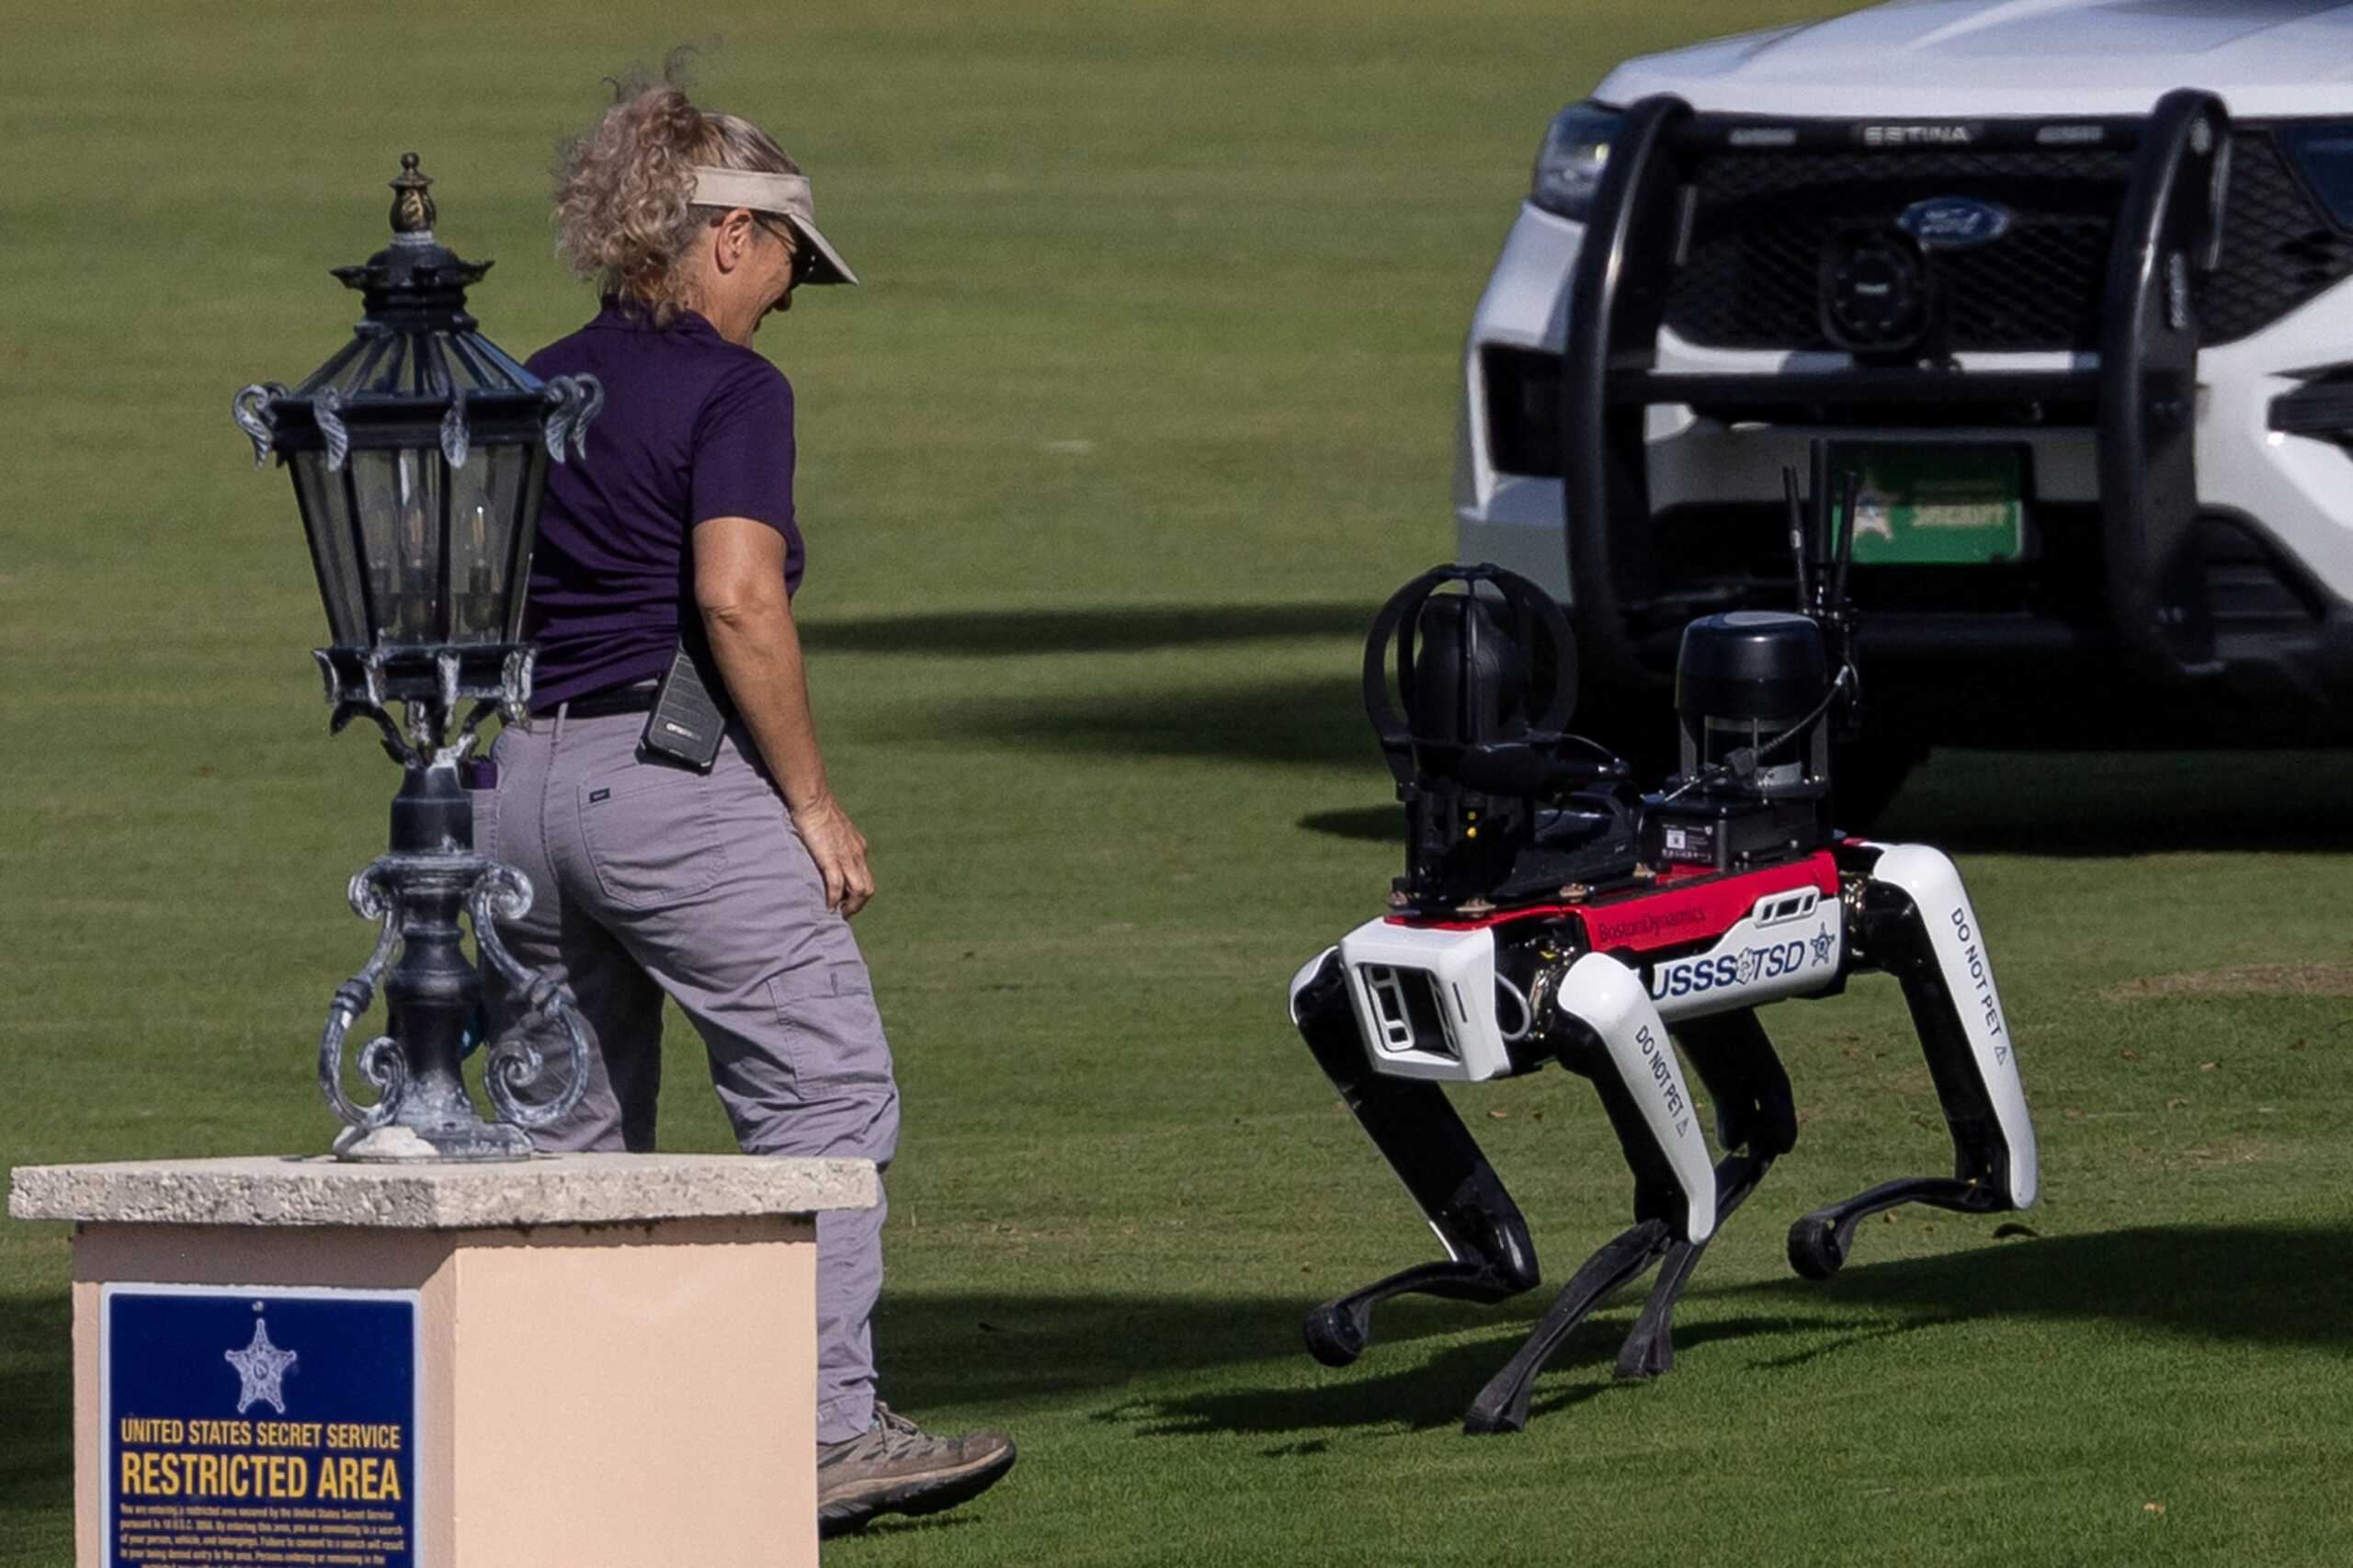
column 261, row 1371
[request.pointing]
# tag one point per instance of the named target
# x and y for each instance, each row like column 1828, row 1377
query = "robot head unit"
column 1742, row 679
column 1475, row 733
column 1753, row 698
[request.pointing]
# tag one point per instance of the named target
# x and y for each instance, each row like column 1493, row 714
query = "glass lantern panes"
column 420, row 531
column 335, row 551
column 411, row 551
column 490, row 539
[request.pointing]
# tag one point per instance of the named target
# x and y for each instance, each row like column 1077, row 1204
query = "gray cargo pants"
column 648, row 878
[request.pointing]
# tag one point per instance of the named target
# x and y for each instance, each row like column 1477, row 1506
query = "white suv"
column 2069, row 281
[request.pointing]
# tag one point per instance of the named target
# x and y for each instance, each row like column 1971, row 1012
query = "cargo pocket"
column 650, row 837
column 832, row 1036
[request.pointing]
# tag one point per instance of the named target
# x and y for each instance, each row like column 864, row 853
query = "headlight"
column 1568, row 165
column 2322, row 152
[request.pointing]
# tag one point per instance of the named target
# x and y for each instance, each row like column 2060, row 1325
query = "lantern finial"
column 412, row 204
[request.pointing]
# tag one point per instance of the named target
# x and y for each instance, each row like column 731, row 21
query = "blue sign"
column 253, row 1427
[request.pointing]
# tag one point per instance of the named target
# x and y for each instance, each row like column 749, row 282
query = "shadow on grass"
column 2108, row 804
column 2264, row 1284
column 2269, row 1286
column 1011, row 1348
column 1311, row 722
column 1435, row 1393
column 35, row 1408
column 1110, row 630
column 1374, row 824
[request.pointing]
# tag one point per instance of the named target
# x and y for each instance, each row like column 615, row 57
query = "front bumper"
column 2194, row 505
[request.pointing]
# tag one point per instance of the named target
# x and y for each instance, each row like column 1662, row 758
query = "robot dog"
column 1550, row 913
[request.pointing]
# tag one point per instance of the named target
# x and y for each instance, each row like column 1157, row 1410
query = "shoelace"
column 899, row 1436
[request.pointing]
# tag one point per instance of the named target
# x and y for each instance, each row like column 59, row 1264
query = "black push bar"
column 2167, row 232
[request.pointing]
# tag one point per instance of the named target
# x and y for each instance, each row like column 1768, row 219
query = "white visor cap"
column 782, row 195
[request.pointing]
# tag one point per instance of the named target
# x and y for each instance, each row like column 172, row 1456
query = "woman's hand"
column 839, row 850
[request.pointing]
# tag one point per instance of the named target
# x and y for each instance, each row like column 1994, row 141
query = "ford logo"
column 1954, row 223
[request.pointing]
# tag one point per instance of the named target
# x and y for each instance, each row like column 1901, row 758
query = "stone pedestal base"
column 614, row 1362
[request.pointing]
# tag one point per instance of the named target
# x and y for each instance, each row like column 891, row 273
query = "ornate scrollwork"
column 501, row 893
column 560, row 398
column 368, row 703
column 515, row 684
column 252, row 409
column 370, row 892
column 381, row 1062
column 326, row 407
column 461, row 747
column 456, row 440
column 573, row 401
column 592, row 403
column 359, row 686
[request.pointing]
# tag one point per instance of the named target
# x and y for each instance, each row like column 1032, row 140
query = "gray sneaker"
column 896, row 1467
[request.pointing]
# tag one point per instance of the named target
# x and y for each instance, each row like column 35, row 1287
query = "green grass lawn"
column 1147, row 403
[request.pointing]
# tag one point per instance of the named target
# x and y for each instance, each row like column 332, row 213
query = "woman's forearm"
column 758, row 651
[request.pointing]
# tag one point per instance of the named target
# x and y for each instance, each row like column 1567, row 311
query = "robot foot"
column 1648, row 1350
column 1501, row 1406
column 1819, row 1242
column 1339, row 1331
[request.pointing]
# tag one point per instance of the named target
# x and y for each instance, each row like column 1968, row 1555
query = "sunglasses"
column 804, row 255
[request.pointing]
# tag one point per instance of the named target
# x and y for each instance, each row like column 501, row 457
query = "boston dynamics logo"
column 261, row 1370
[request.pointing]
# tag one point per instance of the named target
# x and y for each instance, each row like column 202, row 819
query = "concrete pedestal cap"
column 546, row 1190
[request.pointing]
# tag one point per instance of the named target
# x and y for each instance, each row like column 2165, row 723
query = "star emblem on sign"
column 1822, row 946
column 261, row 1371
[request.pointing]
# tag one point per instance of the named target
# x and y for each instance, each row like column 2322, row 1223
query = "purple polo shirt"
column 694, row 427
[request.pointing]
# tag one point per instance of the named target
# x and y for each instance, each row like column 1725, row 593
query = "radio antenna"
column 1852, row 494
column 1799, row 544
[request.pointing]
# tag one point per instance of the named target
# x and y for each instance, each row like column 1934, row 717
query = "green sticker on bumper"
column 1937, row 505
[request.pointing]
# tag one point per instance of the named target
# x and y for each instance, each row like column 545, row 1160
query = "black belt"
column 637, row 698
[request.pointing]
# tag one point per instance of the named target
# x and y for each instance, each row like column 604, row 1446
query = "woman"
column 728, row 889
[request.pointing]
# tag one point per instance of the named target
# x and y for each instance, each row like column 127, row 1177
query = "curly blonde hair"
column 624, row 211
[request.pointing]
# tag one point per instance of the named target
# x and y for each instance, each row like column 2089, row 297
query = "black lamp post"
column 419, row 454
